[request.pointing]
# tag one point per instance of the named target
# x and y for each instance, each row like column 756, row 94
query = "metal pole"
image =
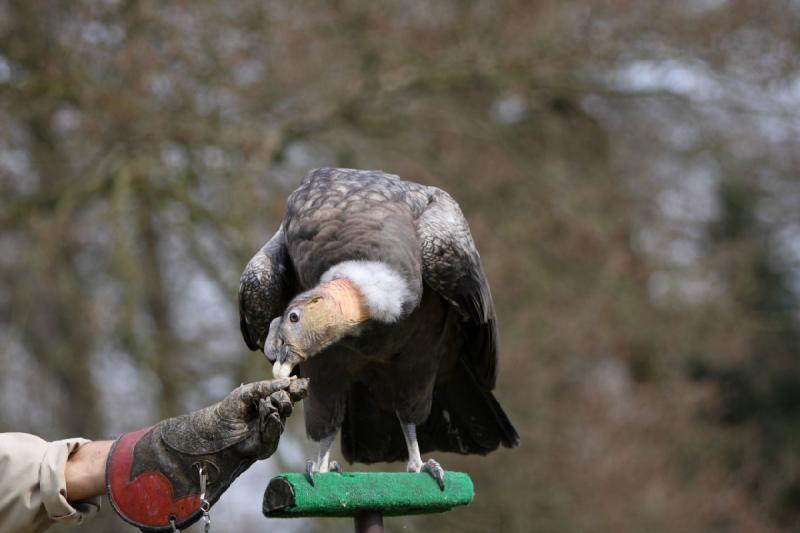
column 369, row 522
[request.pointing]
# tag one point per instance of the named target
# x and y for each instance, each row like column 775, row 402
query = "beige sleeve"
column 33, row 488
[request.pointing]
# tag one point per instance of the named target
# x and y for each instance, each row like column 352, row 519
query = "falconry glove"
column 153, row 476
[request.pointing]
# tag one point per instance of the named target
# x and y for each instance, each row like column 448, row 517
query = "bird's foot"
column 430, row 466
column 312, row 468
column 434, row 469
column 334, row 466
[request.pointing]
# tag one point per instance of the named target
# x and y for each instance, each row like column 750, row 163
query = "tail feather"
column 466, row 418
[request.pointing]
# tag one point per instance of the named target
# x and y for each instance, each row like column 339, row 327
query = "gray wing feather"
column 452, row 267
column 264, row 289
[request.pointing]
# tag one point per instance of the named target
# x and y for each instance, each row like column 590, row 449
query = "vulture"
column 372, row 287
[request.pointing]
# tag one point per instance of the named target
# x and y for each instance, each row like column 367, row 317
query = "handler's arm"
column 85, row 471
column 34, row 489
column 151, row 475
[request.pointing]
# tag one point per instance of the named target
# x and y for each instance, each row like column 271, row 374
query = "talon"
column 310, row 468
column 435, row 470
column 334, row 466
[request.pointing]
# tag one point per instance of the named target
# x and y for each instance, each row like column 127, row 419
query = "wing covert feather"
column 452, row 267
column 264, row 289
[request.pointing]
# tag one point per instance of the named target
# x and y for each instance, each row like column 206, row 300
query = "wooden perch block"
column 390, row 493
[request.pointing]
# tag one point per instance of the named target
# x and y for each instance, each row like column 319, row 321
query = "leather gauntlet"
column 153, row 476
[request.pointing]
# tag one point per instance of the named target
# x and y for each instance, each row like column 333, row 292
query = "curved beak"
column 277, row 351
column 286, row 361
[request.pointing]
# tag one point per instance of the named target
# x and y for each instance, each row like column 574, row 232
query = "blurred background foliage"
column 629, row 170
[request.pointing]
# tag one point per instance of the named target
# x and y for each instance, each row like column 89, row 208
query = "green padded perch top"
column 390, row 493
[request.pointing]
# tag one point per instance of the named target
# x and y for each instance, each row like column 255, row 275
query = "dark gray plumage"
column 433, row 363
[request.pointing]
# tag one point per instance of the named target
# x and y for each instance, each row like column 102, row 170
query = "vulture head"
column 312, row 321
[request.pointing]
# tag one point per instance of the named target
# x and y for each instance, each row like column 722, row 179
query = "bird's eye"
column 294, row 316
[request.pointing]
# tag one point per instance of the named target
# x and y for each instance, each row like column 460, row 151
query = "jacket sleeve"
column 33, row 487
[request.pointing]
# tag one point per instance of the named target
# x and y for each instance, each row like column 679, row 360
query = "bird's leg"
column 323, row 462
column 415, row 463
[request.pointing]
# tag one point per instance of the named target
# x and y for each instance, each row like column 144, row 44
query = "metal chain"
column 204, row 504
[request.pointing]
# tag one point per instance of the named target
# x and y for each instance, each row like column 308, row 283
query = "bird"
column 373, row 288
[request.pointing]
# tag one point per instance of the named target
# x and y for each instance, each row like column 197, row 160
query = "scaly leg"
column 415, row 463
column 323, row 462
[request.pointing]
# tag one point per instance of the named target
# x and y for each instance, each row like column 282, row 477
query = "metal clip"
column 204, row 503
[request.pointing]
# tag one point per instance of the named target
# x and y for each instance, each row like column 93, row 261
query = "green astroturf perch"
column 364, row 494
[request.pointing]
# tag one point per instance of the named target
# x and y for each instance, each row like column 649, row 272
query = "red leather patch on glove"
column 146, row 500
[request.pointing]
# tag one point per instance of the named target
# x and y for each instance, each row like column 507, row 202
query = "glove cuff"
column 146, row 499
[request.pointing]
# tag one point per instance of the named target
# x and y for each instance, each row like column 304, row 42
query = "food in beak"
column 281, row 369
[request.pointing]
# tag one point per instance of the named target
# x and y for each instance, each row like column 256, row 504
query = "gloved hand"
column 153, row 476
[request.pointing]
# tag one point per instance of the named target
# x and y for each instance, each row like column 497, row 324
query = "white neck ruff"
column 384, row 290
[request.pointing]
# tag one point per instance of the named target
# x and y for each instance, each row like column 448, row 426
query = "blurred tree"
column 628, row 170
column 759, row 394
